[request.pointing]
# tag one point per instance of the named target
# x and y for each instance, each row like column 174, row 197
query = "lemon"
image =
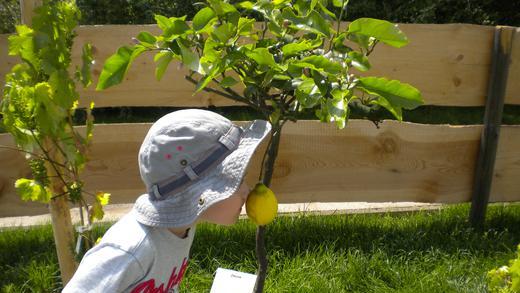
column 261, row 205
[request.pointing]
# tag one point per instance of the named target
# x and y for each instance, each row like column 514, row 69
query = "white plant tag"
column 233, row 281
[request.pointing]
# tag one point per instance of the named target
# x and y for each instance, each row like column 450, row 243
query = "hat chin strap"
column 227, row 143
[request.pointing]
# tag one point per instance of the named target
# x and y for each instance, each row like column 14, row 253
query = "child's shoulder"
column 127, row 234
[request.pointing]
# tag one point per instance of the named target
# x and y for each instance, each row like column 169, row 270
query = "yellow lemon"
column 261, row 205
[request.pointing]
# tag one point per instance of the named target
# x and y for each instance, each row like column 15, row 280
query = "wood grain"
column 513, row 84
column 449, row 63
column 316, row 163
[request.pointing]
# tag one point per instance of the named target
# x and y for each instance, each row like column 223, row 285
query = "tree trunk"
column 268, row 168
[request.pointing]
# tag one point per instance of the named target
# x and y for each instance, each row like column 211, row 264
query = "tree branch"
column 372, row 48
column 230, row 94
column 33, row 154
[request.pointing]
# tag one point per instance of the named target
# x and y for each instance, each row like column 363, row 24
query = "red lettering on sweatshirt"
column 149, row 286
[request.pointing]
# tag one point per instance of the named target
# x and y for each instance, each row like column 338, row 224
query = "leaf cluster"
column 299, row 57
column 40, row 98
column 505, row 279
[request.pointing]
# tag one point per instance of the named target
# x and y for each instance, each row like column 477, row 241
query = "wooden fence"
column 449, row 63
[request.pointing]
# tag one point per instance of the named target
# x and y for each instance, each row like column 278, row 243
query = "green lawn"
column 408, row 252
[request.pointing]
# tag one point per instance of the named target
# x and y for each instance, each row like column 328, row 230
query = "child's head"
column 192, row 160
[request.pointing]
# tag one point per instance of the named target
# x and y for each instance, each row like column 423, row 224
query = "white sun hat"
column 190, row 160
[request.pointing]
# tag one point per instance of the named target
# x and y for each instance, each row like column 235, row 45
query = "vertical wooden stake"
column 27, row 10
column 62, row 228
column 63, row 237
column 492, row 119
column 266, row 177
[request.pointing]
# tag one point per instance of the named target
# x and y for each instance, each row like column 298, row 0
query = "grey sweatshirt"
column 133, row 257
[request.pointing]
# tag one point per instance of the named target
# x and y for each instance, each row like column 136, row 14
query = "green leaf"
column 224, row 33
column 340, row 3
column 214, row 71
column 163, row 22
column 304, row 7
column 96, row 211
column 147, row 38
column 117, row 65
column 20, row 40
column 392, row 94
column 326, row 13
column 203, row 18
column 292, row 49
column 87, row 59
column 63, row 89
column 203, row 82
column 395, row 110
column 381, row 30
column 220, row 7
column 103, row 198
column 337, row 109
column 275, row 28
column 314, row 22
column 362, row 40
column 89, row 123
column 338, row 44
column 359, row 60
column 396, row 93
column 245, row 26
column 248, row 5
column 22, row 44
column 48, row 115
column 29, row 189
column 179, row 27
column 189, row 58
column 307, row 93
column 162, row 60
column 320, row 63
column 262, row 56
column 228, row 81
column 172, row 27
column 279, row 3
column 339, row 93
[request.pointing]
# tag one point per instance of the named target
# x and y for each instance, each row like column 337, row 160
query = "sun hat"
column 190, row 160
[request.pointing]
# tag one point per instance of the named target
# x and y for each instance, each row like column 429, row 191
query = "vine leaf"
column 29, row 189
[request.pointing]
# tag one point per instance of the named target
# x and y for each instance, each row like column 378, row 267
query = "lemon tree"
column 280, row 57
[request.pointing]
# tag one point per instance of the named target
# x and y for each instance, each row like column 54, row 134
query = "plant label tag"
column 232, row 281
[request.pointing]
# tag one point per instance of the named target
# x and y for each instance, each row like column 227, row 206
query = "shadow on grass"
column 446, row 230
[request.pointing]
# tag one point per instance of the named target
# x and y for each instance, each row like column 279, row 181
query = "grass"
column 408, row 252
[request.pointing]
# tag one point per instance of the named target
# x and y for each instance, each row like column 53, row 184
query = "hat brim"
column 185, row 207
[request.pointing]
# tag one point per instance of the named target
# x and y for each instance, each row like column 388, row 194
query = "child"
column 193, row 164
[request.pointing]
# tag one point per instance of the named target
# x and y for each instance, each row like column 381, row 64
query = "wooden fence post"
column 483, row 178
column 59, row 207
column 27, row 10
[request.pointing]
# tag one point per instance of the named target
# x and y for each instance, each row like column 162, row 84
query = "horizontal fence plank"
column 316, row 163
column 513, row 86
column 449, row 63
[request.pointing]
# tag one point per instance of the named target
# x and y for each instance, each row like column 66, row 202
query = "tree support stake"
column 484, row 170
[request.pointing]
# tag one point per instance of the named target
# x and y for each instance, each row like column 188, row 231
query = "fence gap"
column 484, row 170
